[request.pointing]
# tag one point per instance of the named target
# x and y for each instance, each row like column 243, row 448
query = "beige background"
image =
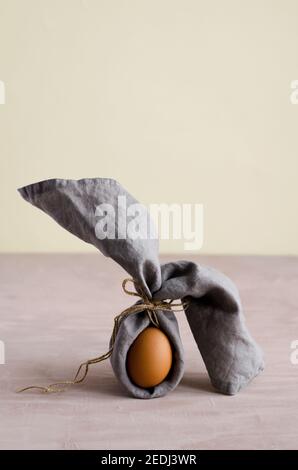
column 181, row 101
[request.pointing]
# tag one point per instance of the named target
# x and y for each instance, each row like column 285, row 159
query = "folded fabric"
column 214, row 312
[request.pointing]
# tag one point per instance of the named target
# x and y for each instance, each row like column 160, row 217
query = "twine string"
column 145, row 304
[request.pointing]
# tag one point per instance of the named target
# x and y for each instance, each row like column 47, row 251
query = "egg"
column 149, row 358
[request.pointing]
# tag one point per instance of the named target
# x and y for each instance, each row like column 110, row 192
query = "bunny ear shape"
column 101, row 212
column 214, row 314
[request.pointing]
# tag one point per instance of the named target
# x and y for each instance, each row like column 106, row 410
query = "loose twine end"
column 146, row 304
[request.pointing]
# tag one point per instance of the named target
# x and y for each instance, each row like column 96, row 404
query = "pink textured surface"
column 57, row 310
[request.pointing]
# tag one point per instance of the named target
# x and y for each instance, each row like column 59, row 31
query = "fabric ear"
column 77, row 205
column 214, row 314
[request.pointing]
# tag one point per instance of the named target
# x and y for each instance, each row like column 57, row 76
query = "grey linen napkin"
column 214, row 312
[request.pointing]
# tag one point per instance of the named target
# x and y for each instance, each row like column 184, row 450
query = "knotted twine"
column 145, row 304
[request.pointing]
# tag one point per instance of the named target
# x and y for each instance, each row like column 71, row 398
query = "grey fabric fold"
column 73, row 205
column 214, row 312
column 215, row 316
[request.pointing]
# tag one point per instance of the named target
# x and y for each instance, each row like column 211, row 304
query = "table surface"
column 57, row 310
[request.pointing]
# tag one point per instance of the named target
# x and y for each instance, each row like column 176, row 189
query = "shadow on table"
column 198, row 382
column 101, row 381
column 105, row 385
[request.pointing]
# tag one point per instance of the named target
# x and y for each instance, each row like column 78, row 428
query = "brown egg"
column 149, row 358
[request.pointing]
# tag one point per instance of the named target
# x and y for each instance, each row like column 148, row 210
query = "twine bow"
column 145, row 304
